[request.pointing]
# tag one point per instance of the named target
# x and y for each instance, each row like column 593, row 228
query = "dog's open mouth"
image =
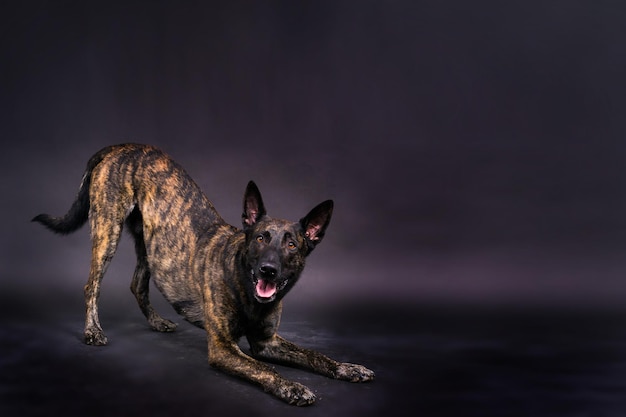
column 265, row 289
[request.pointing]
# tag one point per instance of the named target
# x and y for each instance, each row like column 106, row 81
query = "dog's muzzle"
column 267, row 283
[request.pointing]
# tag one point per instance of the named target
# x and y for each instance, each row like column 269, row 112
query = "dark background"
column 474, row 150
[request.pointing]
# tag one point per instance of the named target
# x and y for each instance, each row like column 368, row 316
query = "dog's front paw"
column 295, row 393
column 95, row 337
column 354, row 373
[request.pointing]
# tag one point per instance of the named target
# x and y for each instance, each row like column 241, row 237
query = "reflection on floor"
column 436, row 361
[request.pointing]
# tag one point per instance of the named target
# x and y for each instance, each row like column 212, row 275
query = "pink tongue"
column 265, row 289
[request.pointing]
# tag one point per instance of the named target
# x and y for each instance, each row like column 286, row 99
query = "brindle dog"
column 226, row 280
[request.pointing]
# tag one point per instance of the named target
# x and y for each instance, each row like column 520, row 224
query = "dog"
column 226, row 280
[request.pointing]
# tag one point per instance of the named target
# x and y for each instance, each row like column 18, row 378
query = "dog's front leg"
column 277, row 349
column 228, row 357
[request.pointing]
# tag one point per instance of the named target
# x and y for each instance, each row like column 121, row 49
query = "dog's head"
column 276, row 249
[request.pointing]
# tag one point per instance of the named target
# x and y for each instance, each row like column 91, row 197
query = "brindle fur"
column 206, row 268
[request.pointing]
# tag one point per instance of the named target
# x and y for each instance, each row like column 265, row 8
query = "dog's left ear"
column 253, row 208
column 315, row 223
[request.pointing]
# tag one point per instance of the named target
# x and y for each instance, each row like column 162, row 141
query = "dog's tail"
column 79, row 212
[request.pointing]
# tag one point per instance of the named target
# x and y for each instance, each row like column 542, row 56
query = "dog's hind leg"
column 105, row 235
column 140, row 285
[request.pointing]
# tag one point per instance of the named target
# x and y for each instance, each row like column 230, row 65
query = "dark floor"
column 430, row 361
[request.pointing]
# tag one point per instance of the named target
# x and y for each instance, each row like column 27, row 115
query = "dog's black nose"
column 268, row 270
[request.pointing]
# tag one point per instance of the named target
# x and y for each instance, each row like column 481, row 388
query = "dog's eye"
column 259, row 238
column 292, row 246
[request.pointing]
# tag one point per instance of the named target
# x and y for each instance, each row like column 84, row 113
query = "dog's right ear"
column 315, row 223
column 253, row 208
